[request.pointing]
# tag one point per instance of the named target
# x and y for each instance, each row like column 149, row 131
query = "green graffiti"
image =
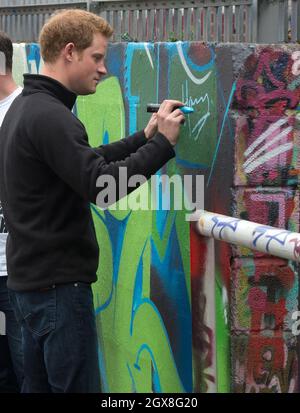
column 222, row 336
column 133, row 341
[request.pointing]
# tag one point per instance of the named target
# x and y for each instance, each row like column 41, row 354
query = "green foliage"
column 125, row 37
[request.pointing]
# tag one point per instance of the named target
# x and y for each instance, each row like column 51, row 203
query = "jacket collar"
column 41, row 83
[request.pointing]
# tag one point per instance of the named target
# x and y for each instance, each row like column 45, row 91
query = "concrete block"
column 277, row 207
column 264, row 363
column 264, row 294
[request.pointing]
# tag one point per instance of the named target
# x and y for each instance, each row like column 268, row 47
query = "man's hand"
column 169, row 119
column 151, row 128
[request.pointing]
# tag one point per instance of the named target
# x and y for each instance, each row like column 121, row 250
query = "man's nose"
column 102, row 69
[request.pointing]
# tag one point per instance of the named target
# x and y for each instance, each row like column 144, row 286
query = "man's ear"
column 68, row 51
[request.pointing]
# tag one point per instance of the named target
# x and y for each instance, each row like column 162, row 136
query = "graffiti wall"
column 176, row 312
column 264, row 290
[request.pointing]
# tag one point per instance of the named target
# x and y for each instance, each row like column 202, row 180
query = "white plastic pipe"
column 271, row 240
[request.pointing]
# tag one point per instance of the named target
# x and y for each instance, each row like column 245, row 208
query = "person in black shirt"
column 48, row 177
column 11, row 357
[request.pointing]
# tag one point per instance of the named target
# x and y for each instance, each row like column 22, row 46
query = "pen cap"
column 153, row 107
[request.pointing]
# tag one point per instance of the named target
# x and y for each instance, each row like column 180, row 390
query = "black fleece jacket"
column 48, row 175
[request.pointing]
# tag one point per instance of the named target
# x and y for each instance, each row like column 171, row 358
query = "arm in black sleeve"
column 118, row 151
column 64, row 147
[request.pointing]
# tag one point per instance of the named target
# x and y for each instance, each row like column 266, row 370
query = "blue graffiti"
column 156, row 386
column 134, row 389
column 116, row 230
column 114, row 60
column 263, row 229
column 173, row 53
column 221, row 225
column 138, row 289
column 188, row 164
column 221, row 132
column 105, row 138
column 170, row 276
column 104, row 381
column 33, row 55
column 133, row 100
column 221, row 93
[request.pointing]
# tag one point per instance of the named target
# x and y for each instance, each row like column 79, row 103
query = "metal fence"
column 22, row 20
column 181, row 20
column 271, row 21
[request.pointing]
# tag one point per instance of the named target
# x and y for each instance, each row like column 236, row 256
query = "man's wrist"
column 146, row 133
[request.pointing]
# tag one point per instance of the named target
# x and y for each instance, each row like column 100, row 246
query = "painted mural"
column 267, row 100
column 264, row 290
column 176, row 312
column 158, row 329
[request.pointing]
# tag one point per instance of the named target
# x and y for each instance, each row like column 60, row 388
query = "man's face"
column 88, row 66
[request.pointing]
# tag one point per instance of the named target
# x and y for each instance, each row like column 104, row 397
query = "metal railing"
column 294, row 21
column 214, row 20
column 263, row 238
column 272, row 21
column 22, row 20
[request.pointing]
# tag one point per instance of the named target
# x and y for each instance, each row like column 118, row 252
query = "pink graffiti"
column 296, row 65
column 258, row 367
column 257, row 299
column 296, row 242
column 264, row 97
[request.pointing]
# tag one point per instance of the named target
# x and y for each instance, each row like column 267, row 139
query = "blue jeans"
column 59, row 339
column 11, row 355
